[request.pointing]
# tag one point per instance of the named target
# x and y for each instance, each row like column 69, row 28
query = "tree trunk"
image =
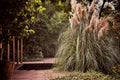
column 6, row 70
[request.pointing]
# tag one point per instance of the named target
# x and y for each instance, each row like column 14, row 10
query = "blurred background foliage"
column 43, row 19
column 17, row 15
column 47, row 25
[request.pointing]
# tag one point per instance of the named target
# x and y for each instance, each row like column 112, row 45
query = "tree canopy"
column 17, row 15
column 48, row 25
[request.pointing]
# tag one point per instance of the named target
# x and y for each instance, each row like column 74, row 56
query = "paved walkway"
column 45, row 60
column 37, row 74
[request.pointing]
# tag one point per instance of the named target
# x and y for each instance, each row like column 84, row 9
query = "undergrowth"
column 90, row 75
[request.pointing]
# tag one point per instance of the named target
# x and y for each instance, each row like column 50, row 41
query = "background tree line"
column 47, row 26
column 44, row 19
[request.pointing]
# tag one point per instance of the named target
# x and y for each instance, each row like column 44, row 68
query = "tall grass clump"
column 82, row 46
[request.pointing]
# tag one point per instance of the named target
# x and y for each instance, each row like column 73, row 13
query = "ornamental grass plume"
column 74, row 21
column 78, row 11
column 81, row 50
column 92, row 7
column 93, row 22
column 103, row 27
column 73, row 5
column 102, row 23
column 84, row 13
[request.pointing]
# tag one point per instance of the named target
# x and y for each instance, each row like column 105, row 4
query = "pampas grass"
column 81, row 50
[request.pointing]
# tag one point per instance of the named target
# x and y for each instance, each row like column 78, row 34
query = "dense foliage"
column 16, row 16
column 48, row 25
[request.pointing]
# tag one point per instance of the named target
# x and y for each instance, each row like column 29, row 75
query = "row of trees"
column 16, row 16
column 43, row 19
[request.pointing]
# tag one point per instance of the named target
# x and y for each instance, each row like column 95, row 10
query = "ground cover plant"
column 91, row 75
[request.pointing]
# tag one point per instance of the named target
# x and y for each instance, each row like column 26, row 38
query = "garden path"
column 37, row 74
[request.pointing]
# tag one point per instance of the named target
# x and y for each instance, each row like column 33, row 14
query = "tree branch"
column 102, row 8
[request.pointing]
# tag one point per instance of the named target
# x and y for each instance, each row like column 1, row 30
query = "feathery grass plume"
column 93, row 22
column 103, row 29
column 92, row 7
column 84, row 13
column 78, row 11
column 73, row 5
column 102, row 23
column 96, row 24
column 74, row 21
column 80, row 50
column 88, row 28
